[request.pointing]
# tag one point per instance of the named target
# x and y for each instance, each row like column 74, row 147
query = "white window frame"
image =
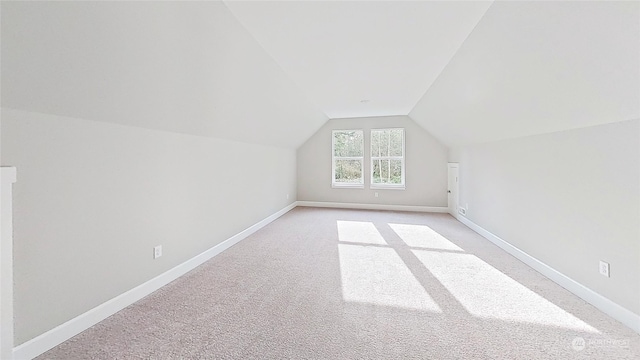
column 335, row 184
column 403, row 170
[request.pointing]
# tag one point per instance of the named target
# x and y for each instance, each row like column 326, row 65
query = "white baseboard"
column 339, row 205
column 605, row 305
column 63, row 332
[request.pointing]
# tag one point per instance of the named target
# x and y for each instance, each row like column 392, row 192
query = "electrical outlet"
column 604, row 268
column 375, row 194
column 157, row 251
column 287, row 196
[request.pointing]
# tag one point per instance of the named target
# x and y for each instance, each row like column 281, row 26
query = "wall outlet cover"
column 157, row 251
column 604, row 268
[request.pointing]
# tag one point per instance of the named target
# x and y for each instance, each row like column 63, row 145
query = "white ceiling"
column 340, row 53
column 274, row 72
column 538, row 67
column 186, row 67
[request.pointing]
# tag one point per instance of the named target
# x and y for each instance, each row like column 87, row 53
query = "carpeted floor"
column 353, row 284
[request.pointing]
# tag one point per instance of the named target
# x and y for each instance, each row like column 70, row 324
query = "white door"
column 453, row 188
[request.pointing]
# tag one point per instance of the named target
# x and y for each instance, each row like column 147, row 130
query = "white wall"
column 93, row 198
column 569, row 199
column 426, row 166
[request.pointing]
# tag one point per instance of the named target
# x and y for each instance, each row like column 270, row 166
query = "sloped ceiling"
column 186, row 67
column 538, row 67
column 274, row 72
column 341, row 53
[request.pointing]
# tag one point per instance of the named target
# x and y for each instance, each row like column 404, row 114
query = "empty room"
column 320, row 180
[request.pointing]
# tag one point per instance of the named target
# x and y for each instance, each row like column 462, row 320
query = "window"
column 348, row 158
column 387, row 158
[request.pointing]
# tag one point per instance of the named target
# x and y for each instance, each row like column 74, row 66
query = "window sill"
column 387, row 187
column 347, row 186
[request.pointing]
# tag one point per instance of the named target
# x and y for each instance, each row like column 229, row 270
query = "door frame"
column 453, row 208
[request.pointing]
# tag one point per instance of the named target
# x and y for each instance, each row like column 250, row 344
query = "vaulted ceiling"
column 273, row 72
column 341, row 53
column 187, row 67
column 538, row 67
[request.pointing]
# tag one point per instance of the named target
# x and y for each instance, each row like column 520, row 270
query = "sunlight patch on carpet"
column 359, row 232
column 378, row 276
column 486, row 292
column 422, row 236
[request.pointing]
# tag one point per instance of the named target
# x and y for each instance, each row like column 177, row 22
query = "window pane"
column 375, row 143
column 348, row 171
column 386, row 142
column 348, row 143
column 387, row 171
column 395, row 136
column 380, row 168
column 380, row 147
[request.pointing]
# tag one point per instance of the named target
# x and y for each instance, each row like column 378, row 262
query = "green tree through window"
column 348, row 158
column 387, row 158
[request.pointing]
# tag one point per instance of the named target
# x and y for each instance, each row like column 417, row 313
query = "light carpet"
column 355, row 284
